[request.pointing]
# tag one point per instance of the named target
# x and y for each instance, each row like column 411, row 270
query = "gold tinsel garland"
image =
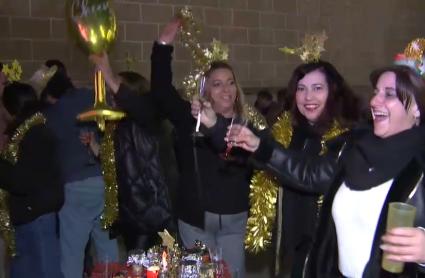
column 264, row 188
column 263, row 195
column 10, row 153
column 202, row 57
column 257, row 120
column 107, row 158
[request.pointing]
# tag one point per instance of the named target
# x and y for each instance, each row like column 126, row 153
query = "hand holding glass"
column 399, row 215
column 236, row 120
column 198, row 118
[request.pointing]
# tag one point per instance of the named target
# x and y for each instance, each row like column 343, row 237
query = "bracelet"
column 162, row 42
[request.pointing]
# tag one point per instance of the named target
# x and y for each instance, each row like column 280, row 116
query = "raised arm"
column 176, row 109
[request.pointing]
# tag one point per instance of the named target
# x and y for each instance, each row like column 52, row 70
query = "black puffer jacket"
column 143, row 195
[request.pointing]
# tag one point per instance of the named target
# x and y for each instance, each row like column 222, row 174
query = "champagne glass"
column 216, row 255
column 399, row 215
column 197, row 133
column 236, row 120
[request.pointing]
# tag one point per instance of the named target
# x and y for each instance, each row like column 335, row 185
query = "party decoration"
column 10, row 153
column 202, row 57
column 311, row 48
column 415, row 49
column 107, row 159
column 413, row 56
column 167, row 239
column 94, row 22
column 263, row 195
column 254, row 117
column 41, row 77
column 264, row 188
column 13, row 71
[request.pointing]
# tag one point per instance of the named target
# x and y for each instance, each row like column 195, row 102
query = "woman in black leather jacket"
column 375, row 168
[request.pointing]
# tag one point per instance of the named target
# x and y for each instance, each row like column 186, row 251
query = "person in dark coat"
column 30, row 173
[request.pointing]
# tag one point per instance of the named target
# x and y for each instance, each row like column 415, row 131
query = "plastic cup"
column 399, row 215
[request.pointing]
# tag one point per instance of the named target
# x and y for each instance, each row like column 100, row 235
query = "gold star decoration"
column 311, row 48
column 167, row 239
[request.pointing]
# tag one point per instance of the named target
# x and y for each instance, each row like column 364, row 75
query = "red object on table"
column 115, row 268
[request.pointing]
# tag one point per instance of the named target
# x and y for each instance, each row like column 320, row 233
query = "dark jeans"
column 37, row 247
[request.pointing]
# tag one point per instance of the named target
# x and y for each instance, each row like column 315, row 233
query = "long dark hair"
column 60, row 82
column 341, row 105
column 135, row 81
column 409, row 86
column 20, row 100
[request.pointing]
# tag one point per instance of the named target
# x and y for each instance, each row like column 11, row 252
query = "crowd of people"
column 337, row 172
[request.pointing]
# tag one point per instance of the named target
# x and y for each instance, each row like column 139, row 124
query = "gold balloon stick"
column 101, row 111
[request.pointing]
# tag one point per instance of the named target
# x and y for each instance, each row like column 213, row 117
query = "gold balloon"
column 94, row 21
column 95, row 24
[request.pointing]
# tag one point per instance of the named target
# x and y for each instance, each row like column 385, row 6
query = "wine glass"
column 201, row 92
column 236, row 120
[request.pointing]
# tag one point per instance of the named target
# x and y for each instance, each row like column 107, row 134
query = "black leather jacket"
column 324, row 174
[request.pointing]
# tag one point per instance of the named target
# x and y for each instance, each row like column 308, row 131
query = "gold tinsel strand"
column 415, row 49
column 258, row 120
column 202, row 57
column 264, row 188
column 263, row 195
column 107, row 158
column 10, row 153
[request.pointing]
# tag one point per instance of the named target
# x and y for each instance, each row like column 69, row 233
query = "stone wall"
column 363, row 34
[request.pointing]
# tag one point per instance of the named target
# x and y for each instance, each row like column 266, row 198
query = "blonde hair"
column 239, row 104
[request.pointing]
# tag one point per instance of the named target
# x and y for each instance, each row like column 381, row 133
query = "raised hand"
column 169, row 32
column 404, row 245
column 208, row 116
column 241, row 136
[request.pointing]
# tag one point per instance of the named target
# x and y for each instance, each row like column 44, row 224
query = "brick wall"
column 363, row 34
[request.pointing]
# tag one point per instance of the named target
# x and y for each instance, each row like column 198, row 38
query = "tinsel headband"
column 202, row 57
column 413, row 56
column 310, row 49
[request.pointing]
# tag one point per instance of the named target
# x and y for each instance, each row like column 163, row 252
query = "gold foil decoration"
column 101, row 111
column 258, row 120
column 13, row 71
column 263, row 195
column 95, row 24
column 202, row 57
column 107, row 159
column 264, row 188
column 10, row 153
column 310, row 50
column 415, row 49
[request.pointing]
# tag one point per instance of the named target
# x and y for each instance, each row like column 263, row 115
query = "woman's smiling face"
column 311, row 95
